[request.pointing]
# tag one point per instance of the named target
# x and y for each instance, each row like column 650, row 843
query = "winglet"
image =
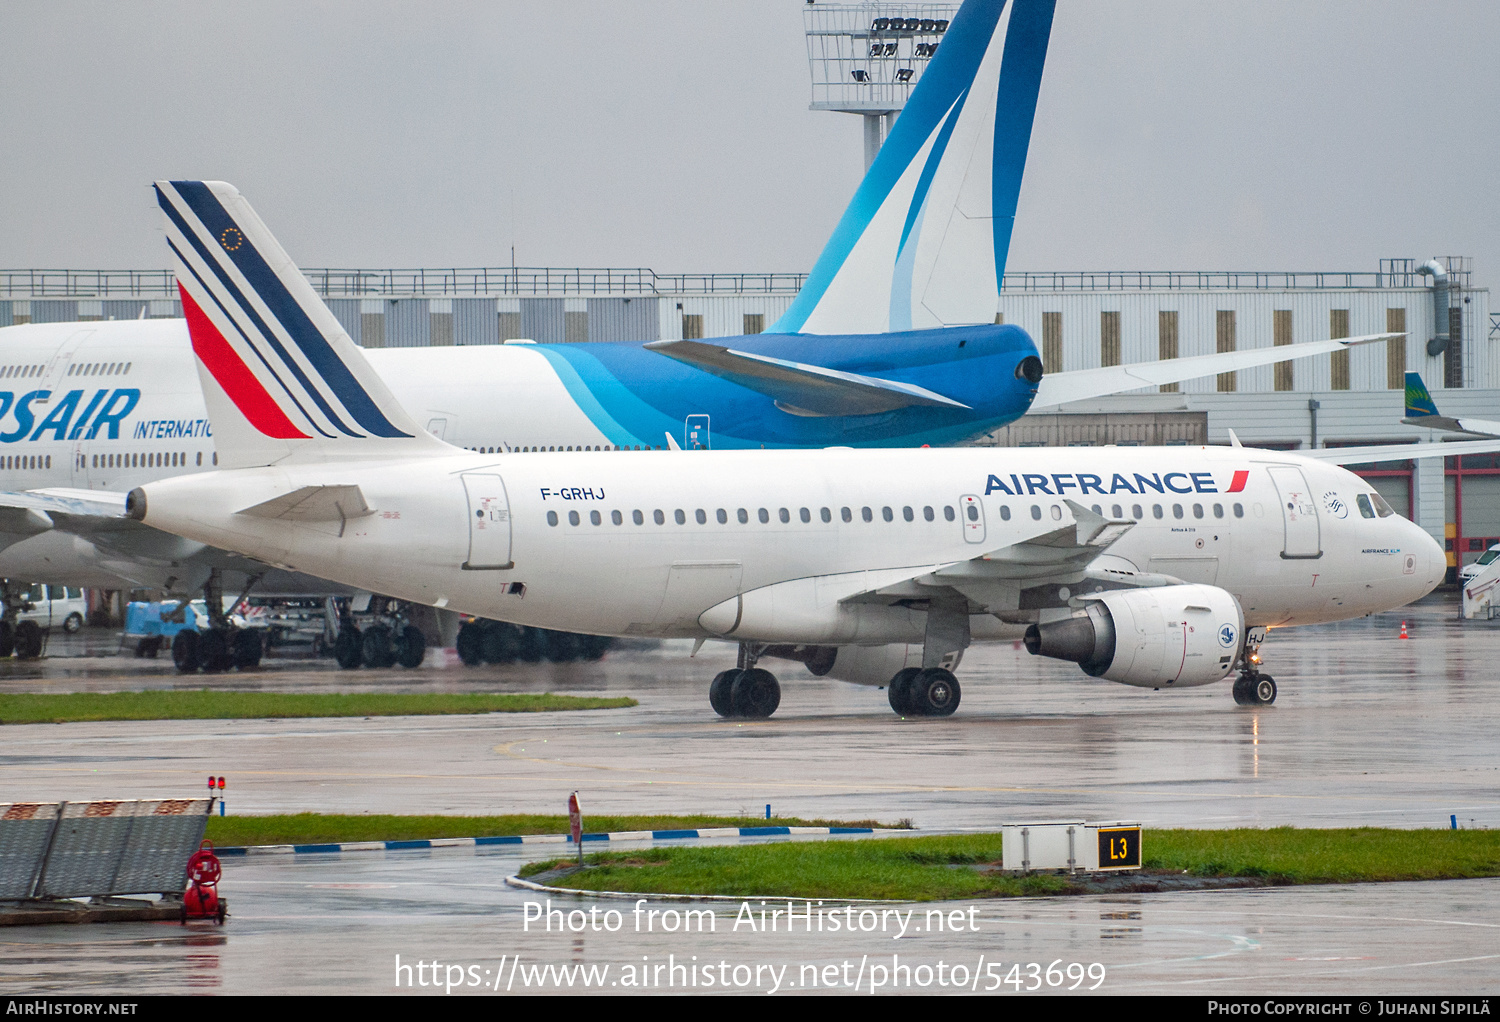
column 672, row 445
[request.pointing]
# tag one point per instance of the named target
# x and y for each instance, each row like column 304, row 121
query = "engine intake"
column 1181, row 636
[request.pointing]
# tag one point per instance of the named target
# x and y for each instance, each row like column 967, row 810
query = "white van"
column 54, row 607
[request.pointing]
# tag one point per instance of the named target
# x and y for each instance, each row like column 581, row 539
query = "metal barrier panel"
column 25, row 831
column 133, row 846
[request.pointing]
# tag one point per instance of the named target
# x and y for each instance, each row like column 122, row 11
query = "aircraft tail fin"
column 281, row 378
column 1419, row 403
column 924, row 240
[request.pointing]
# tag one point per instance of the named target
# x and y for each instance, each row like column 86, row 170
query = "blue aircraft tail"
column 924, row 240
column 1419, row 403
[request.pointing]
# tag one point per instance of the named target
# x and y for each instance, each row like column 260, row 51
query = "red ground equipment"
column 202, row 901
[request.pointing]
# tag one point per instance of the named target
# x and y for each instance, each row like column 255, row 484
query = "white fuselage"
column 646, row 543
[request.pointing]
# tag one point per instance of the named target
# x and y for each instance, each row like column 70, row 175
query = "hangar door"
column 489, row 523
column 1299, row 512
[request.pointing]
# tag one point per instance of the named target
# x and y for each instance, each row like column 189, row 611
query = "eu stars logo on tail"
column 281, row 378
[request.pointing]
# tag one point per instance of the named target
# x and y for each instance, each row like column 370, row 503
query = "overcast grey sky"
column 1170, row 134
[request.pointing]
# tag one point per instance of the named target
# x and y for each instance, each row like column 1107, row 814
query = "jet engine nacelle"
column 1180, row 636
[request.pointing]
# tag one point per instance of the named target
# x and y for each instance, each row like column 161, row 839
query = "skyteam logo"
column 1228, row 635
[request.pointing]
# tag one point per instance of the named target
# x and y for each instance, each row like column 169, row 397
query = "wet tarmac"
column 1368, row 729
column 330, row 924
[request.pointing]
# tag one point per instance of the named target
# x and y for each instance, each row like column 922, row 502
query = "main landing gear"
column 1252, row 688
column 223, row 645
column 391, row 640
column 746, row 690
column 924, row 692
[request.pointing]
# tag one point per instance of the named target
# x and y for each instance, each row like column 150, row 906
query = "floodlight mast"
column 865, row 58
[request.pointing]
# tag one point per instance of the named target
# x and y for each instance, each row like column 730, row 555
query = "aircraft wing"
column 998, row 580
column 1082, row 384
column 1399, row 452
column 800, row 387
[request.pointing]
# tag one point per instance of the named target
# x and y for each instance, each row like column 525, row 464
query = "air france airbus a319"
column 1154, row 567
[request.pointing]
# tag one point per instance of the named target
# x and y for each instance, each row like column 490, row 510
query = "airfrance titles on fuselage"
column 1028, row 483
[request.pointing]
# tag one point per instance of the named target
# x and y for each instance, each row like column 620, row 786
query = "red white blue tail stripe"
column 261, row 332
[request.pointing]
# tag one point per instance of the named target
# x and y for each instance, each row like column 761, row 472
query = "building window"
column 692, row 327
column 1109, row 338
column 1395, row 350
column 1338, row 370
column 1281, row 330
column 1052, row 350
column 755, row 322
column 1166, row 343
column 1223, row 343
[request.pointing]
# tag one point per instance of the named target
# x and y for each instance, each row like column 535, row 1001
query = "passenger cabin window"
column 1117, row 511
column 1218, row 510
column 722, row 516
column 826, row 514
column 701, row 516
column 1036, row 512
column 973, row 513
column 639, row 518
column 948, row 515
column 1004, row 512
column 617, row 518
column 927, row 514
column 1239, row 510
column 908, row 514
column 551, row 517
column 804, row 514
column 572, row 517
column 594, row 517
column 680, row 516
column 887, row 514
column 743, row 516
column 1156, row 511
column 1137, row 512
column 1176, row 510
column 784, row 515
column 867, row 514
column 846, row 514
column 763, row 515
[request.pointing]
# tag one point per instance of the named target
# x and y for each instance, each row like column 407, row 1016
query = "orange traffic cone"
column 1403, row 634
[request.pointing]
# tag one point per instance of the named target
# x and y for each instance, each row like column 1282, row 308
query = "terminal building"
column 1079, row 321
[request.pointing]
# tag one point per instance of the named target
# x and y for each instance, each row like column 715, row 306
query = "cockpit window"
column 1365, row 508
column 1382, row 509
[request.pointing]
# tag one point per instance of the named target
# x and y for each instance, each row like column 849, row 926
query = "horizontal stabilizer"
column 800, row 388
column 336, row 503
column 1473, row 427
column 1083, row 384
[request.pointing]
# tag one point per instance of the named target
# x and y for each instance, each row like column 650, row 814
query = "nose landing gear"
column 1252, row 688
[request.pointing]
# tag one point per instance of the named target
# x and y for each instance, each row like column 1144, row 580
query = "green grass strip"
column 203, row 704
column 942, row 868
column 319, row 828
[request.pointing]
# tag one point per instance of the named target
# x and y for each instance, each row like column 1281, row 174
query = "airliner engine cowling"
column 1180, row 636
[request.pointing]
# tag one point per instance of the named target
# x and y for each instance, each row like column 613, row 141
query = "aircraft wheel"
column 28, row 640
column 1244, row 694
column 934, row 692
column 755, row 693
column 532, row 645
column 470, row 643
column 593, row 647
column 215, row 651
column 246, row 648
column 562, row 647
column 7, row 639
column 411, row 647
column 499, row 643
column 377, row 647
column 721, row 691
column 349, row 649
column 899, row 690
column 185, row 646
column 1264, row 692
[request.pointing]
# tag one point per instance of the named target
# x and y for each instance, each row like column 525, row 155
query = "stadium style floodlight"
column 865, row 58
